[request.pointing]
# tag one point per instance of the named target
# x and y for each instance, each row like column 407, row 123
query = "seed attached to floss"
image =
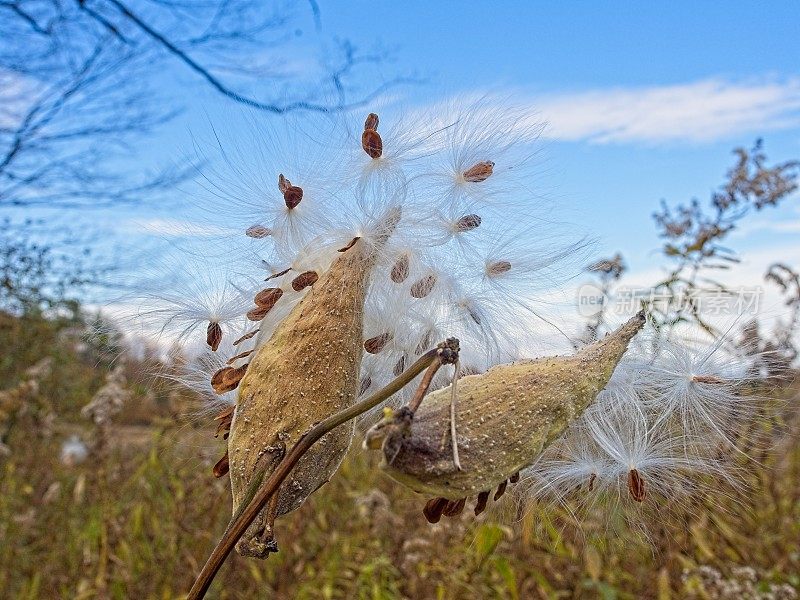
column 375, row 344
column 257, row 313
column 241, row 355
column 304, row 280
column 423, row 287
column 246, row 336
column 468, row 223
column 498, row 267
column 592, row 479
column 366, row 383
column 501, row 489
column 292, row 194
column 636, row 485
column 268, row 297
column 399, row 271
column 399, row 367
column 213, row 335
column 222, row 466
column 706, row 379
column 371, row 140
column 479, row 172
column 454, row 507
column 433, row 509
column 258, row 232
column 480, row 505
column 227, row 379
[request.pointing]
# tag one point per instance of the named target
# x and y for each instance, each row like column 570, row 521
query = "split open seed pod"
column 504, row 419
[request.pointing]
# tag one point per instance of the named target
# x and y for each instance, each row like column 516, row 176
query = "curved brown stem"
column 431, row 360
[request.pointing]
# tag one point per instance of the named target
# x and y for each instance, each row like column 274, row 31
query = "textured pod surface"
column 504, row 417
column 308, row 370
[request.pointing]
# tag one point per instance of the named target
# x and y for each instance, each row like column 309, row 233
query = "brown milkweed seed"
column 514, row 478
column 372, row 143
column 227, row 379
column 454, row 507
column 375, row 344
column 222, row 466
column 246, row 336
column 283, row 183
column 304, row 280
column 636, row 485
column 480, row 505
column 350, row 244
column 366, row 383
column 498, row 267
column 592, row 479
column 433, row 509
column 399, row 271
column 371, row 122
column 257, row 313
column 233, row 359
column 213, row 335
column 479, row 172
column 425, row 343
column 423, row 287
column 468, row 223
column 268, row 297
column 706, row 379
column 258, row 231
column 292, row 194
column 399, row 367
column 501, row 489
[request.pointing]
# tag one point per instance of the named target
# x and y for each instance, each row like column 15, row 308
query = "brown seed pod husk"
column 498, row 267
column 399, row 272
column 307, row 371
column 479, row 172
column 213, row 335
column 268, row 297
column 468, row 223
column 636, row 486
column 375, row 344
column 505, row 418
column 372, row 143
column 304, row 280
column 258, row 232
column 423, row 287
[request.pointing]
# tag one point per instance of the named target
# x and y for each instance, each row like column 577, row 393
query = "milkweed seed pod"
column 308, row 370
column 505, row 418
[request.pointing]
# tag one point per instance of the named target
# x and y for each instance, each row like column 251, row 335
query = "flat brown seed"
column 213, row 335
column 258, row 232
column 375, row 344
column 278, row 274
column 706, row 379
column 372, row 143
column 636, row 485
column 592, row 479
column 257, row 313
column 292, row 196
column 233, row 359
column 366, row 383
column 246, row 336
column 514, row 478
column 371, row 122
column 479, row 172
column 227, row 379
column 468, row 223
column 498, row 267
column 433, row 509
column 268, row 297
column 423, row 287
column 399, row 271
column 283, row 183
column 304, row 280
column 221, row 468
column 480, row 505
column 501, row 489
column 399, row 367
column 425, row 343
column 454, row 507
column 350, row 244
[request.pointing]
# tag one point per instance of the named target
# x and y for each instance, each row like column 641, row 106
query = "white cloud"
column 699, row 111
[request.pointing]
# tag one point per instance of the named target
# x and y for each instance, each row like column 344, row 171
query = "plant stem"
column 239, row 523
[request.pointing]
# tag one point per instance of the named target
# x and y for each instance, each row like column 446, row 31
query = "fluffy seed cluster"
column 473, row 251
column 666, row 425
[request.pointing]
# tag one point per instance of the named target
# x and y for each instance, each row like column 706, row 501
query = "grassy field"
column 138, row 517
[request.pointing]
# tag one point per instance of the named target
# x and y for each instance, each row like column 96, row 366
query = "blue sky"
column 645, row 100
